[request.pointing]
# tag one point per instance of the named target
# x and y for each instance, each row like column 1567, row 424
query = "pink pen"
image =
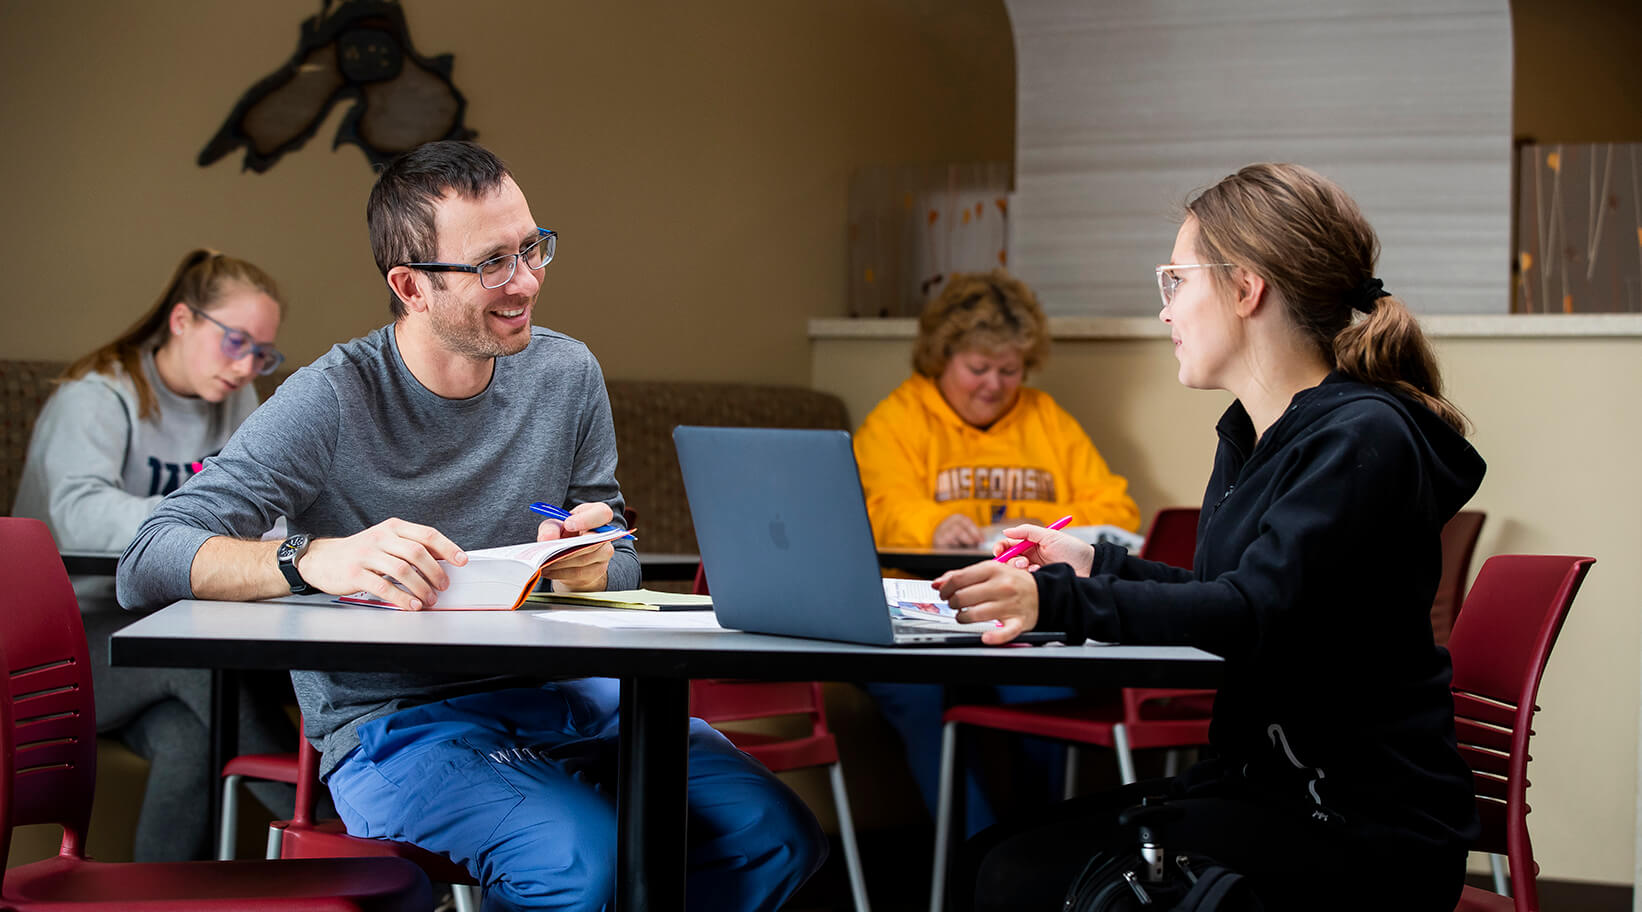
column 1020, row 547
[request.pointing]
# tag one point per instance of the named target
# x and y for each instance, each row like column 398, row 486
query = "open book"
column 499, row 579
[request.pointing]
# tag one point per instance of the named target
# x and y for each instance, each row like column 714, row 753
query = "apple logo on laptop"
column 778, row 534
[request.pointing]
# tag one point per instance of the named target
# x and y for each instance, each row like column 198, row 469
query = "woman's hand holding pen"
column 1046, row 546
column 390, row 550
column 583, row 571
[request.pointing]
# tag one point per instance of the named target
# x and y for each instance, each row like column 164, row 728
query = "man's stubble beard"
column 468, row 335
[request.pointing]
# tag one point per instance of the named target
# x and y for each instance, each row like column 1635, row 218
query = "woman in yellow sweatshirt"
column 961, row 449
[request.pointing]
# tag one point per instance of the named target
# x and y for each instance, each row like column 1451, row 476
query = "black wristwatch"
column 289, row 551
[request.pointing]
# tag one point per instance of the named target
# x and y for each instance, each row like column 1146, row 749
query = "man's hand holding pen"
column 586, row 570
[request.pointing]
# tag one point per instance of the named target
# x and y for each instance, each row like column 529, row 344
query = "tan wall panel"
column 694, row 158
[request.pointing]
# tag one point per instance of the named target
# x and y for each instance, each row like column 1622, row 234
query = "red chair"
column 1500, row 645
column 304, row 836
column 272, row 767
column 48, row 758
column 1459, row 542
column 732, row 701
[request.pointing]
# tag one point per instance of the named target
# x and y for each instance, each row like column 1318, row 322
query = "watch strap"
column 289, row 552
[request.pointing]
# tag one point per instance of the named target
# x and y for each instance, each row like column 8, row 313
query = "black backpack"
column 1148, row 877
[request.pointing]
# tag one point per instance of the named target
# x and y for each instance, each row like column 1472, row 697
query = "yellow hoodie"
column 920, row 463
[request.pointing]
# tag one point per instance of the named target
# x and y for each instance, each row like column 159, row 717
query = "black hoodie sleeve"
column 1115, row 561
column 1330, row 513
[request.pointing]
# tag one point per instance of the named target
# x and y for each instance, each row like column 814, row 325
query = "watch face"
column 292, row 546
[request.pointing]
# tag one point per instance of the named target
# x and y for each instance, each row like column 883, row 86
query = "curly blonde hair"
column 987, row 311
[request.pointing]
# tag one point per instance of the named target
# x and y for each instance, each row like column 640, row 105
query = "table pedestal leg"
column 224, row 733
column 651, row 810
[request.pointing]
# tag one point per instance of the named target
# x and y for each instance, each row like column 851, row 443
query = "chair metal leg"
column 1069, row 787
column 943, row 815
column 1125, row 760
column 846, row 830
column 466, row 896
column 276, row 843
column 1502, row 877
column 1171, row 762
column 230, row 818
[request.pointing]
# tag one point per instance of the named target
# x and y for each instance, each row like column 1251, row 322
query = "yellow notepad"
column 640, row 599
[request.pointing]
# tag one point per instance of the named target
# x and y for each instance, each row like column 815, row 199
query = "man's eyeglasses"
column 498, row 271
column 1168, row 283
column 236, row 344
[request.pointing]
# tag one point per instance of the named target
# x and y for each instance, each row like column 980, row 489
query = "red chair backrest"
column 1500, row 645
column 5, row 772
column 715, row 700
column 1459, row 542
column 1172, row 539
column 52, row 730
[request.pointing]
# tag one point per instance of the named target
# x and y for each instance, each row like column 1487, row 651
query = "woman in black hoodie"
column 1334, row 780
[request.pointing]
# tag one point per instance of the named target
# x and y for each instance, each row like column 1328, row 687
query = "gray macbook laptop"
column 784, row 536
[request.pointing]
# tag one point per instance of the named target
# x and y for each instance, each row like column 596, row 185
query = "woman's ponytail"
column 1387, row 348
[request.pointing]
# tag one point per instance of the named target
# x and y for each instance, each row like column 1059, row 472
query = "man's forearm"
column 238, row 571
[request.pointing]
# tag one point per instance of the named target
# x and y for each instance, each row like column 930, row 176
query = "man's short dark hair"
column 400, row 210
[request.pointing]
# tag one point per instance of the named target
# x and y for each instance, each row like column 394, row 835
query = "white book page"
column 916, row 599
column 534, row 553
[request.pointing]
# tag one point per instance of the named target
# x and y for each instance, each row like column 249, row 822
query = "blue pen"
column 549, row 510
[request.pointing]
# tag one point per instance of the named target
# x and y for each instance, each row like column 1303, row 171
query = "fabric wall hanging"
column 360, row 52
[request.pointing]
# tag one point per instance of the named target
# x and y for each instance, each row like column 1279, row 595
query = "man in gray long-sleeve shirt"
column 395, row 451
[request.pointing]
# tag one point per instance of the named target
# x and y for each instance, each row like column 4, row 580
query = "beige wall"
column 1554, row 420
column 693, row 157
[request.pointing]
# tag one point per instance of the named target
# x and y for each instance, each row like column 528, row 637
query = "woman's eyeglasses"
column 236, row 344
column 498, row 270
column 1168, row 283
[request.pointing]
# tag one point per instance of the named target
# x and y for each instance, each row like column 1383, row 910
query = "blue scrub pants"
column 519, row 786
column 914, row 711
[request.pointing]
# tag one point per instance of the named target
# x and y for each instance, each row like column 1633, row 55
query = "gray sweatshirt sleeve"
column 76, row 461
column 594, row 475
column 273, row 467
